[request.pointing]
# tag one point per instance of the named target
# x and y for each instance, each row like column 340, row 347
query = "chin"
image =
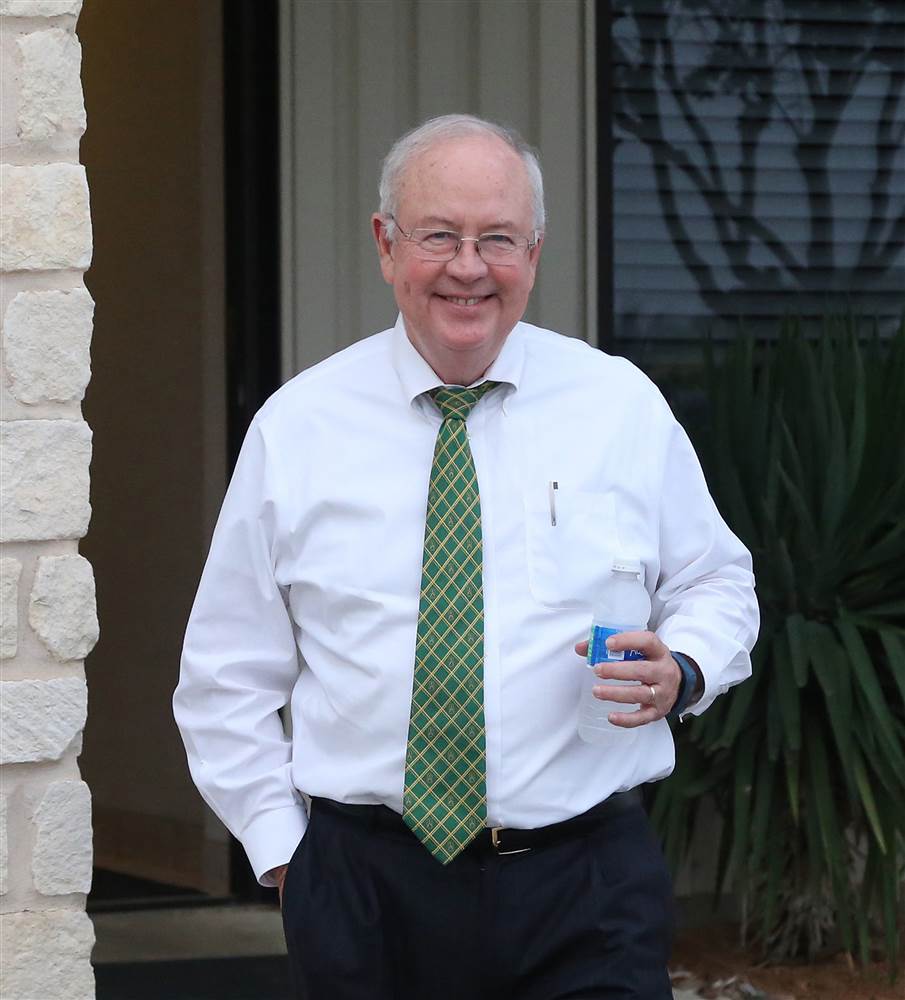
column 467, row 343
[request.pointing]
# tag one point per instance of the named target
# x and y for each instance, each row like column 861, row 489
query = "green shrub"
column 804, row 451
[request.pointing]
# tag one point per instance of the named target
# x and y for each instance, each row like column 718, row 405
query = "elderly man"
column 407, row 557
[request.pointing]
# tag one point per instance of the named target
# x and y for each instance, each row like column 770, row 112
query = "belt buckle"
column 495, row 841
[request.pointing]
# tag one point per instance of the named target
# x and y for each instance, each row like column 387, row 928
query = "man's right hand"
column 278, row 874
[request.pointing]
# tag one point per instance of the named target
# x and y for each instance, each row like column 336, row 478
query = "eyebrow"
column 493, row 227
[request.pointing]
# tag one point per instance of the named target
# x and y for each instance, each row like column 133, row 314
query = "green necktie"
column 445, row 800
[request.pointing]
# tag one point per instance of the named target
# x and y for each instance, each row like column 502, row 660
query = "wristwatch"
column 686, row 687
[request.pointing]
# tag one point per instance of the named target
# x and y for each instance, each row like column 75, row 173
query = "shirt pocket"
column 570, row 554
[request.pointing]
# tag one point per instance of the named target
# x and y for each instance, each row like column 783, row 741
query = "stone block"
column 50, row 88
column 62, row 858
column 10, row 570
column 62, row 609
column 40, row 719
column 46, row 956
column 39, row 8
column 44, row 470
column 4, row 848
column 46, row 223
column 46, row 338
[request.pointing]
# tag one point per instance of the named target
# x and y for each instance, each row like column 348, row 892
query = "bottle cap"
column 626, row 564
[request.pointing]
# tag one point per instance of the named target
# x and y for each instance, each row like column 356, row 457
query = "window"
column 758, row 164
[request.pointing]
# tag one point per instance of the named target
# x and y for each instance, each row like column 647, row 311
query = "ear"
column 384, row 248
column 534, row 257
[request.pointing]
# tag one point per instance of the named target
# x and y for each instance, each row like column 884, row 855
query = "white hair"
column 436, row 130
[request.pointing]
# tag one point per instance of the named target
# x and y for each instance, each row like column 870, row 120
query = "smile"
column 464, row 302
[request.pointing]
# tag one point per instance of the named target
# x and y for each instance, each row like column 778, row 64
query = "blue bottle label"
column 597, row 651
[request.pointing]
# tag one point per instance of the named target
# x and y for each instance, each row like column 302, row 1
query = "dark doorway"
column 252, row 158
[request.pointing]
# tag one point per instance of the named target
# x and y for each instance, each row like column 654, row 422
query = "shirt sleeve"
column 239, row 665
column 704, row 604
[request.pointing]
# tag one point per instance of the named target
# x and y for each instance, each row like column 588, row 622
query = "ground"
column 712, row 955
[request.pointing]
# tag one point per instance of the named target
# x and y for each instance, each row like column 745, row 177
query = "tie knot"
column 456, row 402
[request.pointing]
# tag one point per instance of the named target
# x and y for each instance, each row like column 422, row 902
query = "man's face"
column 459, row 312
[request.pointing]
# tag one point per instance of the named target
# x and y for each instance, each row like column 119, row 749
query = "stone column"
column 48, row 622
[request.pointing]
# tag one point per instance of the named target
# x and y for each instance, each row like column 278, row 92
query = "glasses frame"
column 530, row 243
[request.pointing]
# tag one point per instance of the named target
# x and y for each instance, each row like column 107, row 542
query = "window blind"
column 758, row 163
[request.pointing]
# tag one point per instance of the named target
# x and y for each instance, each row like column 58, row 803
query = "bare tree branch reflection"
column 777, row 68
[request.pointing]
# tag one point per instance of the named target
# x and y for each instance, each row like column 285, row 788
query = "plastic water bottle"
column 623, row 606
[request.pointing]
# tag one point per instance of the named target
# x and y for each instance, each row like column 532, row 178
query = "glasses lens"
column 497, row 248
column 436, row 244
column 443, row 244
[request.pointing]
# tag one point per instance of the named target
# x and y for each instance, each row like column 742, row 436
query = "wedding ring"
column 653, row 696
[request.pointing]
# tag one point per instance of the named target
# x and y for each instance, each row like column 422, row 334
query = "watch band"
column 686, row 686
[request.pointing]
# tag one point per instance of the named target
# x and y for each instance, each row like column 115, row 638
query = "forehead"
column 469, row 179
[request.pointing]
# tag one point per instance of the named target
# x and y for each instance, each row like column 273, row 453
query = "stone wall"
column 48, row 621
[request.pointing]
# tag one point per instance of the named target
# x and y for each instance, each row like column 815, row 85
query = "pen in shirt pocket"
column 554, row 486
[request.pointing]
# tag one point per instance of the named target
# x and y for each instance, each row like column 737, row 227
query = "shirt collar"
column 417, row 377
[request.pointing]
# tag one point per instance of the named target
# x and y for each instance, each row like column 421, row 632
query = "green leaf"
column 805, row 517
column 891, row 609
column 827, row 662
column 859, row 416
column 894, row 645
column 762, row 811
column 867, row 800
column 739, row 700
column 774, row 726
column 741, row 825
column 893, row 781
column 795, row 629
column 890, row 889
column 836, row 485
column 831, row 831
column 881, row 718
column 792, row 773
column 775, row 873
column 787, row 691
column 818, row 776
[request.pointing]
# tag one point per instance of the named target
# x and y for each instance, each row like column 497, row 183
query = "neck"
column 464, row 378
column 458, row 369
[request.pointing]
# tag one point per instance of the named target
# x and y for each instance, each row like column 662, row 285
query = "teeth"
column 462, row 302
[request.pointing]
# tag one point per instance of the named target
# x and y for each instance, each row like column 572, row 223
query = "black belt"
column 497, row 839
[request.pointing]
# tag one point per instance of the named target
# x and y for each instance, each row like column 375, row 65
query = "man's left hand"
column 278, row 875
column 658, row 673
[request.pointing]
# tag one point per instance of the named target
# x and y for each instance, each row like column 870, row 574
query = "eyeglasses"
column 444, row 244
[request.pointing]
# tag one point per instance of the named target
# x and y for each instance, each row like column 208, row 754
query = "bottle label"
column 597, row 651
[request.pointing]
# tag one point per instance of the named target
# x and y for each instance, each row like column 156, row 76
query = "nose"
column 468, row 264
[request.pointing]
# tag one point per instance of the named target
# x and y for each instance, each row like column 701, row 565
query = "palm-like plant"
column 805, row 455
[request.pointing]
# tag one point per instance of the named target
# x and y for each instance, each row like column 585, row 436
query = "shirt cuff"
column 271, row 839
column 723, row 662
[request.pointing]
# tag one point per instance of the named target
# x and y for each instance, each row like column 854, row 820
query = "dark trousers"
column 369, row 914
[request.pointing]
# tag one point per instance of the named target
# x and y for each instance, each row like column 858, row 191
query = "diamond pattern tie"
column 445, row 798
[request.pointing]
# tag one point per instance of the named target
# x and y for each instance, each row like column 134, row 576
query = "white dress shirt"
column 310, row 593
